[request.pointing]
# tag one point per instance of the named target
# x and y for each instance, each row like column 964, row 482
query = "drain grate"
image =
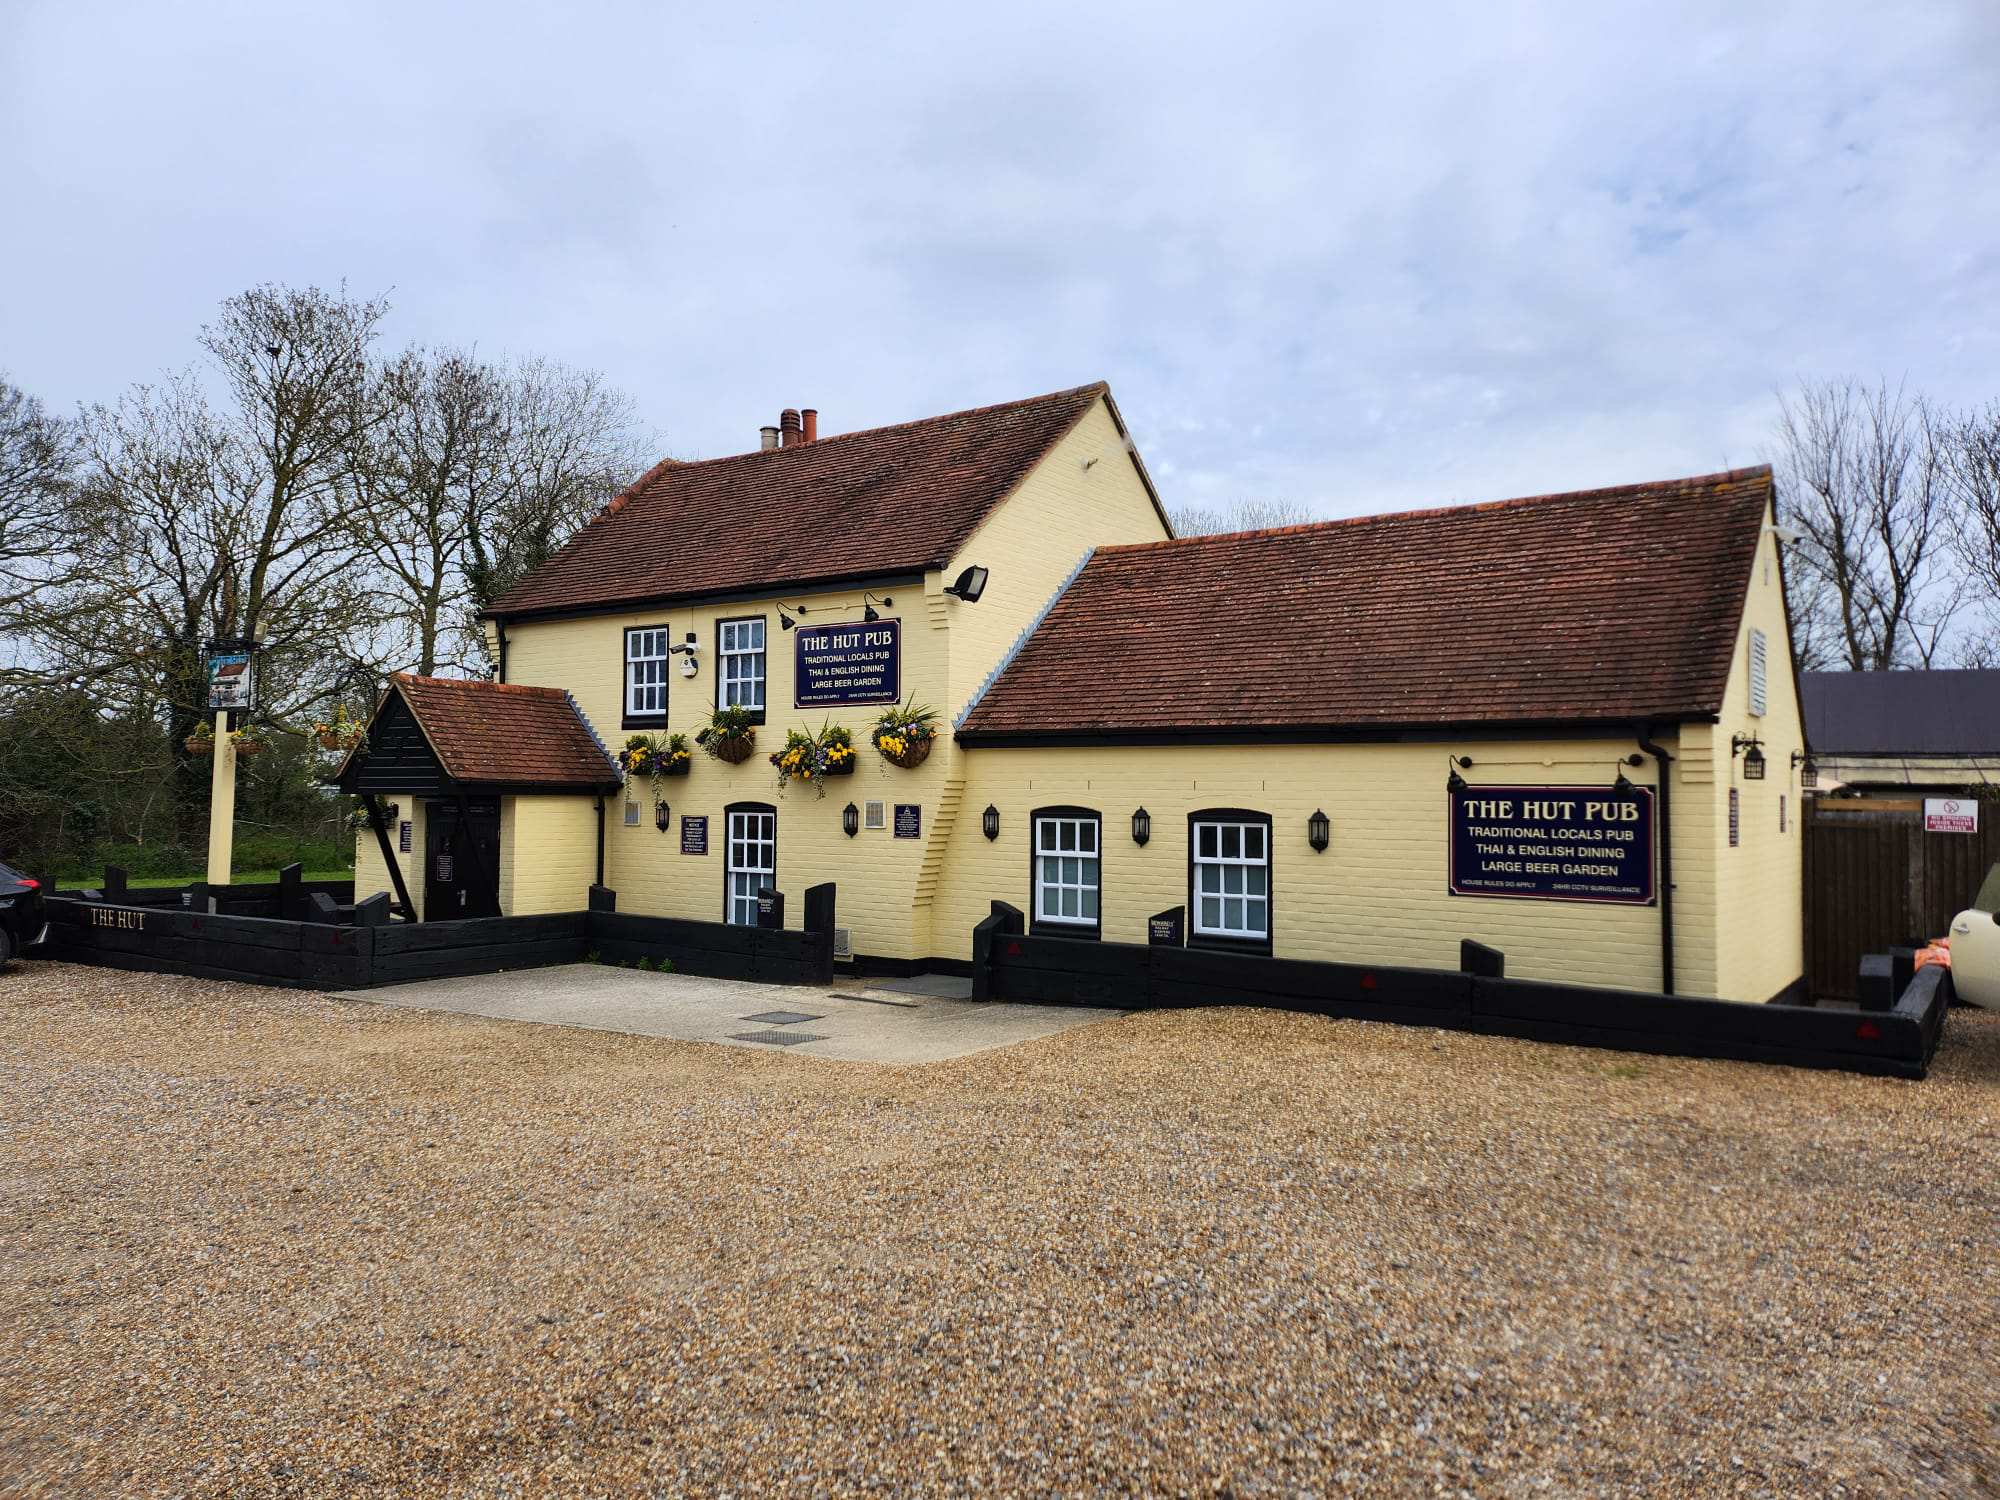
column 781, row 1017
column 878, row 1000
column 776, row 1038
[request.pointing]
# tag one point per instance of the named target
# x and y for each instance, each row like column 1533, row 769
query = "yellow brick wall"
column 1377, row 895
column 371, row 875
column 1760, row 947
column 548, row 854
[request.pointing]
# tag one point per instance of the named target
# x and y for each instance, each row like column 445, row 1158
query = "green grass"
column 73, row 881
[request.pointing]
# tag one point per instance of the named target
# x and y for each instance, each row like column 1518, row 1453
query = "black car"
column 22, row 923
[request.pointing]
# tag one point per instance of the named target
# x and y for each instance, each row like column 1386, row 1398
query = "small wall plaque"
column 694, row 834
column 909, row 820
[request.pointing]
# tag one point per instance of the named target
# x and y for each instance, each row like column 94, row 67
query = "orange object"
column 1938, row 952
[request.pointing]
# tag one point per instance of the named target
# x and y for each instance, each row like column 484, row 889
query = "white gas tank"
column 1975, row 957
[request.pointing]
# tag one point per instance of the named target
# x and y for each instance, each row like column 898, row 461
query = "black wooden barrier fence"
column 289, row 896
column 1896, row 1038
column 334, row 955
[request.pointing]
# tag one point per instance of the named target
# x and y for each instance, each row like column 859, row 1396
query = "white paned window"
column 752, row 863
column 1232, row 880
column 646, row 673
column 1066, row 870
column 1759, row 655
column 741, row 664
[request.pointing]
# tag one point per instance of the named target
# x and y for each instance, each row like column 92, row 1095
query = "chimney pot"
column 789, row 433
column 811, row 415
column 767, row 438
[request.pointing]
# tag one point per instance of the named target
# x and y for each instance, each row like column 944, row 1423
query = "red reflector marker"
column 1868, row 1031
column 1013, row 949
column 1368, row 981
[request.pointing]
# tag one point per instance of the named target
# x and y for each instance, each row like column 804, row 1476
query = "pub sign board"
column 231, row 683
column 840, row 664
column 1553, row 843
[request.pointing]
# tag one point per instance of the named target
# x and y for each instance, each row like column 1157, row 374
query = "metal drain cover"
column 776, row 1038
column 781, row 1017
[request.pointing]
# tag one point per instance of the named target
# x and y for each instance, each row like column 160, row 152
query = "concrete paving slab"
column 915, row 1028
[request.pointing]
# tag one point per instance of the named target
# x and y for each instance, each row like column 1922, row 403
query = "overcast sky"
column 1358, row 257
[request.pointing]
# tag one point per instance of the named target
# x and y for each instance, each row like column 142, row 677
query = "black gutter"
column 500, row 629
column 842, row 583
column 1308, row 734
column 600, row 838
column 1665, row 762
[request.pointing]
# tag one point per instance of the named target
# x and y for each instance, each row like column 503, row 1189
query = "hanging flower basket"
column 249, row 745
column 905, row 733
column 731, row 735
column 677, row 767
column 340, row 734
column 342, row 743
column 812, row 758
column 200, row 744
column 910, row 754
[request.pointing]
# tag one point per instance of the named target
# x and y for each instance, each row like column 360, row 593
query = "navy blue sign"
column 847, row 664
column 909, row 820
column 1553, row 843
column 694, row 834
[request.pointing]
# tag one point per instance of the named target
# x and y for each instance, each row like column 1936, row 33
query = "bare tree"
column 1241, row 515
column 38, row 458
column 1973, row 466
column 1863, row 474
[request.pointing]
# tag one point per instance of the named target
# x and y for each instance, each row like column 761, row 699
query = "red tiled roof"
column 1618, row 604
column 892, row 499
column 504, row 734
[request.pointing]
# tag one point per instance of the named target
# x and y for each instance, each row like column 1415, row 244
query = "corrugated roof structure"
column 1902, row 713
column 1616, row 604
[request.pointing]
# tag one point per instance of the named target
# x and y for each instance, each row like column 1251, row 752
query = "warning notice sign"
column 1951, row 815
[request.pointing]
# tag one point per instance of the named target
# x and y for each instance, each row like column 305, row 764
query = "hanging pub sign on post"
column 232, row 682
column 1553, row 843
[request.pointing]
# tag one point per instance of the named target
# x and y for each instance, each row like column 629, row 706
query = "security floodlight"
column 969, row 585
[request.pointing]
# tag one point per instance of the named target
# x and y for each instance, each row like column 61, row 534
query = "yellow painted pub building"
column 1566, row 727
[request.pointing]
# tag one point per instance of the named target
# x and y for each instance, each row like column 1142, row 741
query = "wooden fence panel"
column 1874, row 880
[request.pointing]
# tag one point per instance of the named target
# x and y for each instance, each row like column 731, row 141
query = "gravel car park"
column 264, row 1242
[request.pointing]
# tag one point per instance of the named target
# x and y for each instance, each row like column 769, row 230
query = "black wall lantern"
column 1808, row 771
column 1142, row 827
column 850, row 820
column 1319, row 832
column 662, row 816
column 1752, row 751
column 989, row 821
column 1454, row 782
column 1621, row 785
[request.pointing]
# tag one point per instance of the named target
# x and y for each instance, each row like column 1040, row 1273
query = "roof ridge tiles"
column 1603, row 492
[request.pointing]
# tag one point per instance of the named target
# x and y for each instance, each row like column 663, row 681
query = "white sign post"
column 1951, row 815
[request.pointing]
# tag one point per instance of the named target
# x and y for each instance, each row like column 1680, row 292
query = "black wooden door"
column 461, row 861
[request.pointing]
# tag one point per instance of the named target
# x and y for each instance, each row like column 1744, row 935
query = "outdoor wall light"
column 1802, row 762
column 1752, row 751
column 1621, row 785
column 868, row 615
column 989, row 821
column 785, row 613
column 1319, row 832
column 1455, row 782
column 662, row 816
column 850, row 820
column 969, row 585
column 1142, row 827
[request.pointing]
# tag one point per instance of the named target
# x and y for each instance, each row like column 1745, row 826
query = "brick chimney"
column 790, row 435
column 811, row 416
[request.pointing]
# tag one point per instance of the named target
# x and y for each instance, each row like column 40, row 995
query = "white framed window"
column 1759, row 663
column 751, row 863
column 1231, row 877
column 1066, row 868
column 646, row 673
column 739, row 655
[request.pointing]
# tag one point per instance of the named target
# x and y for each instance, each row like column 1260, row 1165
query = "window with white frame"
column 752, row 862
column 1066, row 868
column 740, row 664
column 1232, row 878
column 1759, row 658
column 646, row 673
